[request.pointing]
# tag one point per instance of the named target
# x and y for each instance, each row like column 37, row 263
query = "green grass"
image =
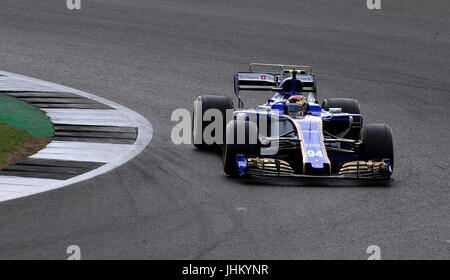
column 21, row 115
column 10, row 140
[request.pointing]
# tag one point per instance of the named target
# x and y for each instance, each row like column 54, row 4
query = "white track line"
column 82, row 151
column 89, row 117
column 113, row 155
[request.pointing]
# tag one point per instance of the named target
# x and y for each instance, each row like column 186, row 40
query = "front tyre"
column 377, row 143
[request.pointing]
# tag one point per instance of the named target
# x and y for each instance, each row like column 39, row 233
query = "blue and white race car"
column 291, row 134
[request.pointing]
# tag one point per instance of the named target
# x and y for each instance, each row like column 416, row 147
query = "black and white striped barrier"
column 92, row 136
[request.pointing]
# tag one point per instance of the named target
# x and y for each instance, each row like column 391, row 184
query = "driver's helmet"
column 296, row 105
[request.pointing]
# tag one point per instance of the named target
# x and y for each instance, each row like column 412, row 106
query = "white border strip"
column 145, row 132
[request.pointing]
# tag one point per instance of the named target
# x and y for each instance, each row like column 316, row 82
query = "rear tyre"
column 377, row 143
column 348, row 105
column 248, row 147
column 222, row 103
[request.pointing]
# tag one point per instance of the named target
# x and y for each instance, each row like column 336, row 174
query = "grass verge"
column 17, row 145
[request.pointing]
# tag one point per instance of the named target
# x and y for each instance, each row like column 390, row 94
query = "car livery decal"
column 256, row 77
column 310, row 133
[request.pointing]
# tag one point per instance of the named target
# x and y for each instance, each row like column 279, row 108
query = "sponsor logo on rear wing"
column 254, row 81
column 306, row 78
column 255, row 77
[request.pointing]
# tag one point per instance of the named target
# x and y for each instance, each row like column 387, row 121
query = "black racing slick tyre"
column 377, row 143
column 201, row 105
column 348, row 105
column 247, row 145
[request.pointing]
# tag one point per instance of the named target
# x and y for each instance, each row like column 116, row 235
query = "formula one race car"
column 292, row 135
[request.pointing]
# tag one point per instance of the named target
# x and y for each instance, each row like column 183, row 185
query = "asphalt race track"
column 175, row 202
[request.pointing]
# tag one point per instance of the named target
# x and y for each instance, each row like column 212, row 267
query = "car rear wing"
column 255, row 81
column 269, row 77
column 278, row 68
column 250, row 81
column 283, row 71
